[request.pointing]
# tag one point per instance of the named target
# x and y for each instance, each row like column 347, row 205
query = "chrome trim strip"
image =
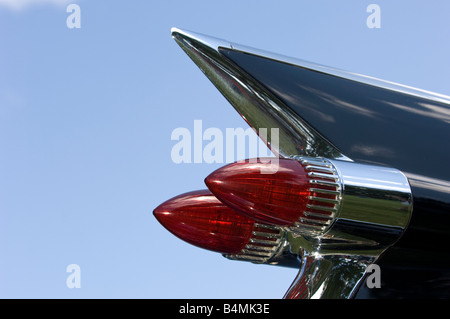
column 312, row 214
column 324, row 191
column 320, row 175
column 320, row 169
column 323, row 183
column 324, row 208
column 325, row 200
column 261, row 241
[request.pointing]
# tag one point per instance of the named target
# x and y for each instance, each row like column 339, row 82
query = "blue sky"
column 86, row 117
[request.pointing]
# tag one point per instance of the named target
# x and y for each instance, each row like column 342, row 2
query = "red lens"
column 304, row 194
column 199, row 218
column 278, row 198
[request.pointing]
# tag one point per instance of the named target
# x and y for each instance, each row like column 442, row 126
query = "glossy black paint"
column 378, row 125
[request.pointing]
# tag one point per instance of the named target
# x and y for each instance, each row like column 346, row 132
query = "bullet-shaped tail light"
column 303, row 195
column 200, row 219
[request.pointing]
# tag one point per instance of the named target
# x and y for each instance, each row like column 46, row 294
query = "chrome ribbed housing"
column 262, row 246
column 325, row 195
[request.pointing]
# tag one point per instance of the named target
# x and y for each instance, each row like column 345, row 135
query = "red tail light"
column 202, row 220
column 302, row 194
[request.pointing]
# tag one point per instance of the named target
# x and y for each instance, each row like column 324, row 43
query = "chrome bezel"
column 320, row 214
column 263, row 246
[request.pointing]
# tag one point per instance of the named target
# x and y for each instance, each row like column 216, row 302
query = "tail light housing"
column 303, row 195
column 339, row 215
column 200, row 219
column 331, row 218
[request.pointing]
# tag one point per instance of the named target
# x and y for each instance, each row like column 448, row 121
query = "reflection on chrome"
column 426, row 182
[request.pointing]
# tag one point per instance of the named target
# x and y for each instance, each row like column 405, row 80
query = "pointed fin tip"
column 174, row 31
column 207, row 40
